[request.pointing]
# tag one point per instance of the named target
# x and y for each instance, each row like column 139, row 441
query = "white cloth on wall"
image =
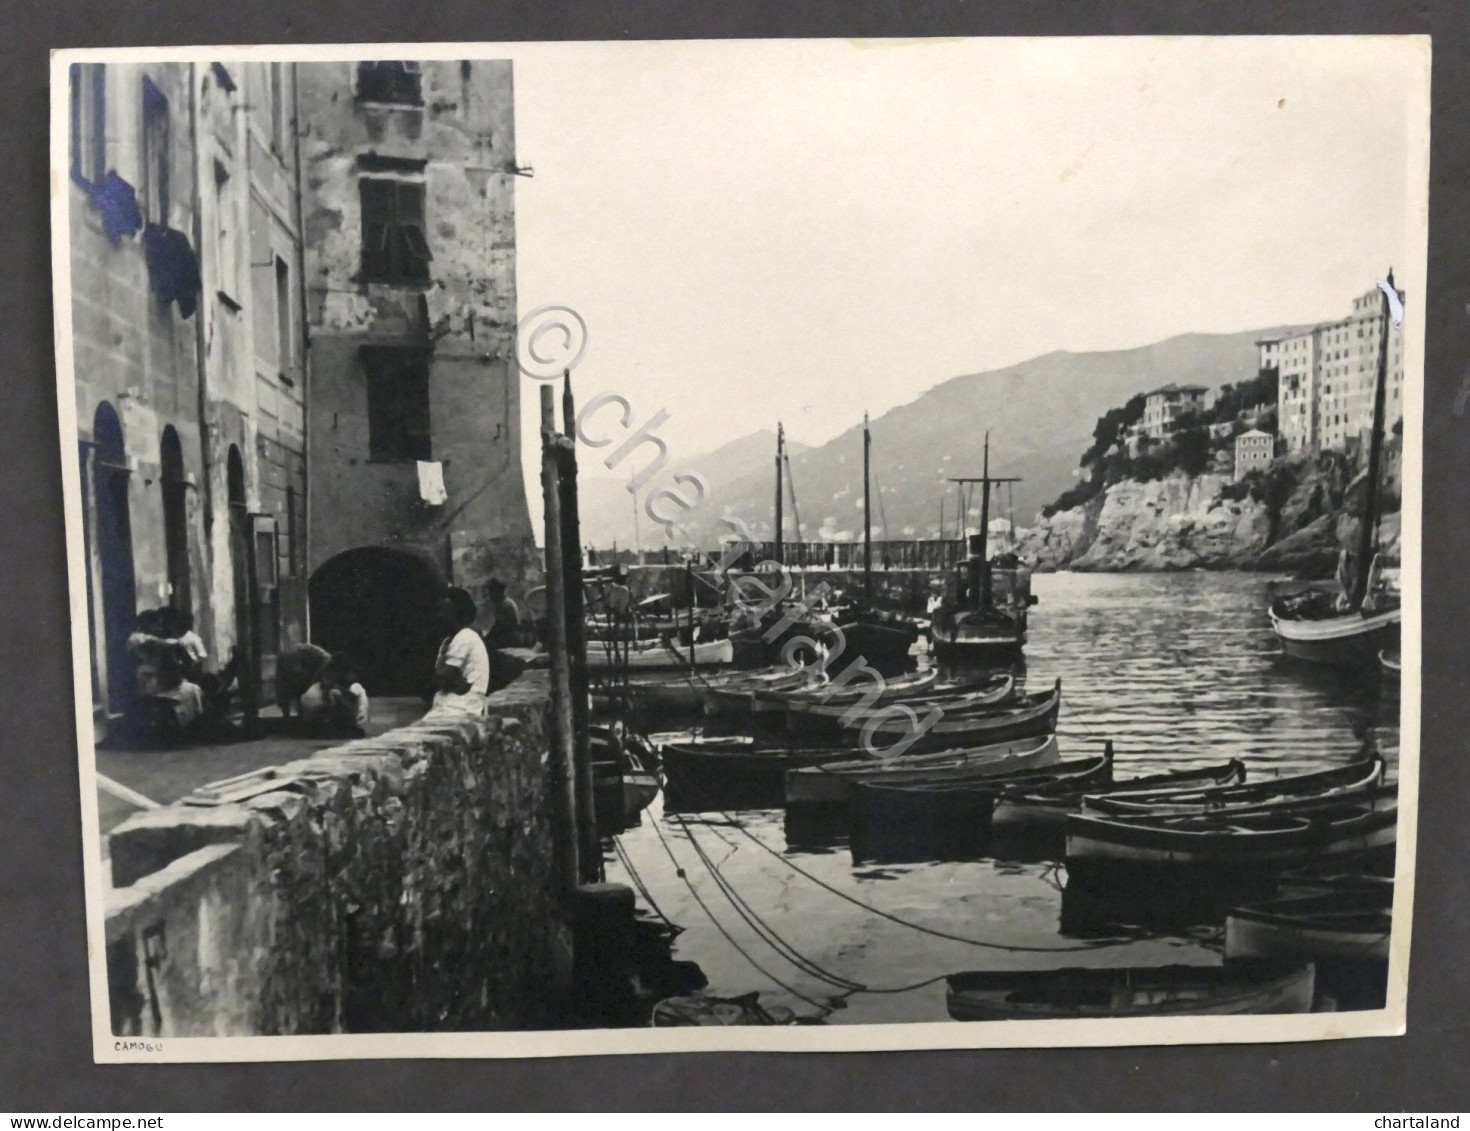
column 431, row 483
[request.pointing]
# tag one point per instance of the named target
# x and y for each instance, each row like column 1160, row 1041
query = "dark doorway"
column 114, row 535
column 175, row 519
column 380, row 607
column 249, row 667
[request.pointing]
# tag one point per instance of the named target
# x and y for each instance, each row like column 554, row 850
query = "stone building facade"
column 187, row 357
column 414, row 416
column 1328, row 374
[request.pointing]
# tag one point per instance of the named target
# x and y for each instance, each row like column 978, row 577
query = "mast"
column 867, row 519
column 780, row 453
column 1368, row 534
column 985, row 528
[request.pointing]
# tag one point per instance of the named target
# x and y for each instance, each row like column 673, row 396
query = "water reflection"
column 1180, row 670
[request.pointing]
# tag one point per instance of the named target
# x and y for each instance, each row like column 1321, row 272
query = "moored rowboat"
column 1353, row 922
column 1247, row 986
column 1262, row 794
column 1045, row 808
column 1030, row 716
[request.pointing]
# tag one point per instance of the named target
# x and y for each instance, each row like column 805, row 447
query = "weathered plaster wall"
column 400, row 883
column 465, row 315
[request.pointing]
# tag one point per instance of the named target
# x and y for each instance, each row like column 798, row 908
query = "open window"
column 394, row 246
column 398, row 404
column 155, row 154
column 89, row 122
column 390, row 80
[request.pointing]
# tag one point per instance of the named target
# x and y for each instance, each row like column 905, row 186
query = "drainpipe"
column 305, row 372
column 200, row 352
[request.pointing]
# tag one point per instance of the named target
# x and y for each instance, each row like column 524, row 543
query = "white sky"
column 804, row 230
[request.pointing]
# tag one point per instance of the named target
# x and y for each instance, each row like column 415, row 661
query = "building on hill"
column 1254, row 451
column 1165, row 405
column 1269, row 353
column 1327, row 377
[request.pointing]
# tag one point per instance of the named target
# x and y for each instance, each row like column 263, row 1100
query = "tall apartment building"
column 1327, row 377
column 1165, row 405
column 414, row 415
column 185, row 264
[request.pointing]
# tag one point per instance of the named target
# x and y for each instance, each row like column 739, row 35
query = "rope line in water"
column 679, row 871
column 627, row 862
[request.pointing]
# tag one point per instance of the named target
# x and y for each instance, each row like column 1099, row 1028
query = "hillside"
column 1040, row 414
column 606, row 507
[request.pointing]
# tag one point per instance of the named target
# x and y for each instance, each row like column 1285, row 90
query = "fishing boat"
column 1354, row 778
column 1237, row 987
column 1276, row 840
column 731, row 695
column 652, row 693
column 939, row 817
column 808, row 714
column 1028, row 716
column 1350, row 630
column 623, row 780
column 982, row 619
column 1044, row 808
column 831, row 783
column 1351, row 921
column 645, row 655
column 883, row 641
column 703, row 774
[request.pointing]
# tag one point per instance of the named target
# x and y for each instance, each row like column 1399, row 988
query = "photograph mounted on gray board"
column 489, row 634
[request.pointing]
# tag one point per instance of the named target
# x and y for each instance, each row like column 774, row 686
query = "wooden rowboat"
column 704, row 774
column 1247, row 986
column 1031, row 716
column 1044, row 809
column 1274, row 840
column 1262, row 793
column 1352, row 922
column 658, row 654
column 831, row 783
column 807, row 717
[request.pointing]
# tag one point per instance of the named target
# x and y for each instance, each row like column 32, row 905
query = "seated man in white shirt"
column 462, row 669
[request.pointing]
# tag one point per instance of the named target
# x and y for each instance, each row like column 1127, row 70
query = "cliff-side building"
column 1328, row 373
column 414, row 415
column 1254, row 451
column 176, row 401
column 1163, row 406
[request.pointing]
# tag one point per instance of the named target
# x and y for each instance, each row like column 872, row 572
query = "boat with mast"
column 982, row 619
column 1351, row 629
column 884, row 640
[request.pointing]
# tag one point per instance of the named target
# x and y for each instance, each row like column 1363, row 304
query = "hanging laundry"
column 115, row 199
column 173, row 269
column 431, row 483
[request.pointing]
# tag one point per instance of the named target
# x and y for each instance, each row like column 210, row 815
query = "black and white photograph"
column 667, row 546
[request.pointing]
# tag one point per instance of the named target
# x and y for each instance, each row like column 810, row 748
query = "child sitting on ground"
column 336, row 704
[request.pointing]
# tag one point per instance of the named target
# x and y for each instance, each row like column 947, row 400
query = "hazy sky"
column 802, row 230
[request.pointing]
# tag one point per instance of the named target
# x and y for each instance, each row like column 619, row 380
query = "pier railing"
column 934, row 554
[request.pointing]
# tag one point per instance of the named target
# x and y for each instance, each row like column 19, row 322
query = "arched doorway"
column 175, row 519
column 114, row 553
column 380, row 606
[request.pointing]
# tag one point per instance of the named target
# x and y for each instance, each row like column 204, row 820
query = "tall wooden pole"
column 590, row 851
column 563, row 759
column 1367, row 536
column 985, row 529
column 780, row 450
column 867, row 519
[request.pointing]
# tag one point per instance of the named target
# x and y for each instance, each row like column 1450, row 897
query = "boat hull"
column 1259, row 986
column 1348, row 641
column 660, row 657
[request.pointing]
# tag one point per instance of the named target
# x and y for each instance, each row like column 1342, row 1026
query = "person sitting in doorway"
column 506, row 631
column 336, row 705
column 179, row 627
column 297, row 669
column 462, row 668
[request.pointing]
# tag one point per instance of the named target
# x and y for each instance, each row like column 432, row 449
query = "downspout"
column 200, row 354
column 305, row 532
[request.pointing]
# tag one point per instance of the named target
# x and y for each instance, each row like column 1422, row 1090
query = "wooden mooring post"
column 590, row 850
column 563, row 760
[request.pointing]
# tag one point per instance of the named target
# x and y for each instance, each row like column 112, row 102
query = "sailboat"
column 1353, row 628
column 982, row 620
column 883, row 639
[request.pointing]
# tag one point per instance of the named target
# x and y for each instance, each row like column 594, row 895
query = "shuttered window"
column 394, row 247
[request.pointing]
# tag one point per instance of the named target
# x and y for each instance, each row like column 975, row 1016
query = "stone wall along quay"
column 396, row 883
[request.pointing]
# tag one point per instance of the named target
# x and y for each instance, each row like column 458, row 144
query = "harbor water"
column 1179, row 670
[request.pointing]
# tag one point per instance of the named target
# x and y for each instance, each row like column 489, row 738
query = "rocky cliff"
column 1293, row 517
